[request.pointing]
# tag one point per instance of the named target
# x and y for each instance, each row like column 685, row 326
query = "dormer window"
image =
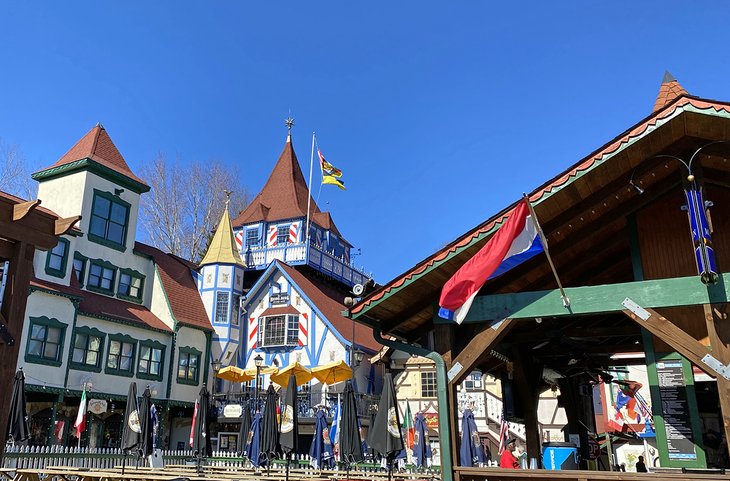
column 109, row 218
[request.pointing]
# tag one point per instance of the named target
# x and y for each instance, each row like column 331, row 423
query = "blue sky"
column 439, row 113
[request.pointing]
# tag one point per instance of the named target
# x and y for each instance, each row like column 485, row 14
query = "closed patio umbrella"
column 18, row 418
column 145, row 420
column 245, row 427
column 421, row 446
column 253, row 443
column 471, row 452
column 385, row 435
column 321, row 452
column 270, row 427
column 289, row 425
column 350, row 442
column 200, row 439
column 132, row 430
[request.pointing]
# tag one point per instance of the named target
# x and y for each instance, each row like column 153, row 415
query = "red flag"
column 192, row 427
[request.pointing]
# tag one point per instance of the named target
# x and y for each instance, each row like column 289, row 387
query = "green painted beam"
column 674, row 292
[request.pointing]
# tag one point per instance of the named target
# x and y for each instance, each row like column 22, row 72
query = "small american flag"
column 503, row 433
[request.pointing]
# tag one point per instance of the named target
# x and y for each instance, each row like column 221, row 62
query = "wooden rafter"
column 24, row 208
column 63, row 226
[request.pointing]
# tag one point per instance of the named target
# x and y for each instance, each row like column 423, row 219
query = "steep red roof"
column 284, row 196
column 330, row 301
column 180, row 287
column 669, row 91
column 98, row 146
column 103, row 306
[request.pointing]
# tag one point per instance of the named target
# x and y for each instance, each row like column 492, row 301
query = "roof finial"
column 228, row 197
column 289, row 122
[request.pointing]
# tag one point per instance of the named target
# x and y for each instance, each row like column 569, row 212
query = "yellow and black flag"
column 330, row 173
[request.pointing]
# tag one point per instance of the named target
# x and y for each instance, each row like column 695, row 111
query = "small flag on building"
column 80, row 423
column 503, row 434
column 408, row 429
column 330, row 173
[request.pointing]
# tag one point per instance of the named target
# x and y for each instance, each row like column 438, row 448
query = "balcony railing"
column 305, row 253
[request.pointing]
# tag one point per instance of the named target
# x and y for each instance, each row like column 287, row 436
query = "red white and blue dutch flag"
column 515, row 242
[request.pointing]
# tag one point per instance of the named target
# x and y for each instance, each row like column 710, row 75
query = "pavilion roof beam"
column 656, row 293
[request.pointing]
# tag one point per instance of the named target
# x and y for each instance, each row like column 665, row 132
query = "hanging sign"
column 97, row 406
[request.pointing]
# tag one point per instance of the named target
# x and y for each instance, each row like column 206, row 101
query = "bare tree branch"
column 185, row 204
column 15, row 172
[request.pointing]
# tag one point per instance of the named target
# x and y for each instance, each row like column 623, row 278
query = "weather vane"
column 228, row 196
column 289, row 122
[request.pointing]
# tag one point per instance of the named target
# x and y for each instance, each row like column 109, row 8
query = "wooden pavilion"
column 619, row 234
column 24, row 227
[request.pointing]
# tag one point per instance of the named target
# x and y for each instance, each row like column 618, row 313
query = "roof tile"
column 330, row 301
column 180, row 287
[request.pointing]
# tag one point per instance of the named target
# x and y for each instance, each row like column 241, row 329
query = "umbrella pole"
column 287, row 468
column 124, row 462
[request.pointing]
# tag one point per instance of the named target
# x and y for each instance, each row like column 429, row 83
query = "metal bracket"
column 5, row 335
column 454, row 371
column 636, row 309
column 718, row 366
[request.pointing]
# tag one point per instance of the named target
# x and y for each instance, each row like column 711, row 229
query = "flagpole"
column 309, row 196
column 566, row 301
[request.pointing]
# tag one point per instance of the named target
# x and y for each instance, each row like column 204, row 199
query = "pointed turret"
column 284, row 196
column 95, row 151
column 222, row 248
column 669, row 91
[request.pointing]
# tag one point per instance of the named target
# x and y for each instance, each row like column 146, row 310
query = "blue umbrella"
column 253, row 446
column 471, row 451
column 421, row 446
column 321, row 451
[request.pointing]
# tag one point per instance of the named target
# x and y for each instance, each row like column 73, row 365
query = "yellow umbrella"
column 234, row 374
column 302, row 374
column 251, row 371
column 333, row 372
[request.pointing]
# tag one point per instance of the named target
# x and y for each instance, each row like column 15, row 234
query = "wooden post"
column 527, row 381
column 717, row 330
column 13, row 310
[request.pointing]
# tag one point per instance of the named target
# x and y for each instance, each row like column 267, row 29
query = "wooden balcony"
column 305, row 253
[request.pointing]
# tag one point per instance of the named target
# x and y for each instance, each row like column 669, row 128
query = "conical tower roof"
column 222, row 248
column 97, row 148
column 284, row 196
column 669, row 91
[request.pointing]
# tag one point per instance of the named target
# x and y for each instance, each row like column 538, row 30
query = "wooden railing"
column 41, row 457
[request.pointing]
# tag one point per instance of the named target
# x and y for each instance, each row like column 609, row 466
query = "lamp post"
column 258, row 361
column 216, row 367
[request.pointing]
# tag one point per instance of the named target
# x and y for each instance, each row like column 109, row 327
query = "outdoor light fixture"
column 216, row 366
column 359, row 355
column 258, row 361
